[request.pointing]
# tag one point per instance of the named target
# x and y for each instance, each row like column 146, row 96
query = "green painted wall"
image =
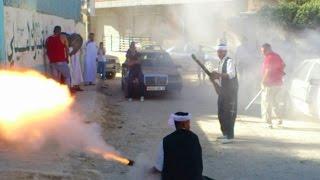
column 69, row 9
column 2, row 40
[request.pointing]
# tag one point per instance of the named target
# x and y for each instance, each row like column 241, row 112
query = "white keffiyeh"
column 175, row 117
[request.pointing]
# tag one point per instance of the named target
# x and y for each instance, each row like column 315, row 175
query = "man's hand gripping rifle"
column 212, row 75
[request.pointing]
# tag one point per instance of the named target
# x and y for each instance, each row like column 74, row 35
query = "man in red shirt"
column 57, row 52
column 272, row 80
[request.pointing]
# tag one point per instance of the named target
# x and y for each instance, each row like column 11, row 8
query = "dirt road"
column 288, row 152
column 136, row 128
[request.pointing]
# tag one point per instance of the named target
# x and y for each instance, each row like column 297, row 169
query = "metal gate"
column 122, row 43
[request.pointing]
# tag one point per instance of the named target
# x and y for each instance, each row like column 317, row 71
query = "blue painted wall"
column 69, row 9
column 2, row 43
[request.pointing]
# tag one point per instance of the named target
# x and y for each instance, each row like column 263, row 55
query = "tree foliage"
column 294, row 13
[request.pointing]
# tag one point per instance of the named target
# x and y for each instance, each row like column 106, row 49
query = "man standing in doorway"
column 90, row 61
column 272, row 80
column 57, row 52
column 228, row 94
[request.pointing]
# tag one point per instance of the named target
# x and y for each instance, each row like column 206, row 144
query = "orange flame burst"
column 26, row 99
column 110, row 156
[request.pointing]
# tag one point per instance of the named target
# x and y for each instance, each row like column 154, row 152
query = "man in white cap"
column 228, row 94
column 180, row 154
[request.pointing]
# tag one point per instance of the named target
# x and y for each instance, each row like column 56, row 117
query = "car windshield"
column 155, row 59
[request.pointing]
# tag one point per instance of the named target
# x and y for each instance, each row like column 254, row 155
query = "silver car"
column 112, row 66
column 304, row 90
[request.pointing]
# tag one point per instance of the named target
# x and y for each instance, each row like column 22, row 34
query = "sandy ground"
column 135, row 129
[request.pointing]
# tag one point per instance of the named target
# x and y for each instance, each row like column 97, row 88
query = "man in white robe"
column 76, row 71
column 90, row 61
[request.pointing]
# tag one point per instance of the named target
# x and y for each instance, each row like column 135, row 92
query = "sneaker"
column 130, row 99
column 142, row 99
column 222, row 137
column 226, row 141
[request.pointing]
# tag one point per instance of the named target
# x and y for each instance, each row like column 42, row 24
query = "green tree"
column 294, row 13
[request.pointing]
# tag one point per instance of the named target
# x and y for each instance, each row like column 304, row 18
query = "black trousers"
column 227, row 114
column 135, row 84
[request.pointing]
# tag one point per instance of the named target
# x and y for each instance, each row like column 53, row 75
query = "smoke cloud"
column 40, row 113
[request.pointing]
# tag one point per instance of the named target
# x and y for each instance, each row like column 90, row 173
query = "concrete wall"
column 27, row 27
column 167, row 23
column 26, row 32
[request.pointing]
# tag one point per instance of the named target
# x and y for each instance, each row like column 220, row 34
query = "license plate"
column 156, row 88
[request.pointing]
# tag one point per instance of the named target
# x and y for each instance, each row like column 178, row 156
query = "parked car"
column 112, row 66
column 304, row 90
column 181, row 55
column 152, row 47
column 160, row 73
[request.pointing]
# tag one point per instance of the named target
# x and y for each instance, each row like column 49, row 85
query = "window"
column 156, row 59
column 315, row 73
column 303, row 71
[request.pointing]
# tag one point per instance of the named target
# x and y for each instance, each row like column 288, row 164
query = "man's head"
column 91, row 36
column 133, row 45
column 57, row 30
column 181, row 120
column 101, row 45
column 266, row 49
column 222, row 50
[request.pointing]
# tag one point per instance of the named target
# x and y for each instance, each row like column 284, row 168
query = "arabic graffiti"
column 35, row 42
column 26, row 32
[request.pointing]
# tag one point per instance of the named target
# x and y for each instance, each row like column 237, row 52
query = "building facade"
column 27, row 23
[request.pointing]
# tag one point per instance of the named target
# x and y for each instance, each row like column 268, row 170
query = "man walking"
column 228, row 94
column 90, row 61
column 272, row 80
column 57, row 52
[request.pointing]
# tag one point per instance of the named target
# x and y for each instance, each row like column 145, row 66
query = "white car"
column 304, row 90
column 181, row 55
column 112, row 66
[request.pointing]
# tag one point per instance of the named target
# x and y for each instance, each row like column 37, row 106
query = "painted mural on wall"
column 26, row 32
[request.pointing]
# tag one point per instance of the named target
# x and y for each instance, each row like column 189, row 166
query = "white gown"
column 75, row 67
column 90, row 64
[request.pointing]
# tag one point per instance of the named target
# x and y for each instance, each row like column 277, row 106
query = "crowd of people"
column 65, row 65
column 180, row 154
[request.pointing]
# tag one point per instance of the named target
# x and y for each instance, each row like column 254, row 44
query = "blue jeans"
column 102, row 69
column 59, row 69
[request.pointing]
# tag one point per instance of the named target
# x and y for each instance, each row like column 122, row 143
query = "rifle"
column 215, row 84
